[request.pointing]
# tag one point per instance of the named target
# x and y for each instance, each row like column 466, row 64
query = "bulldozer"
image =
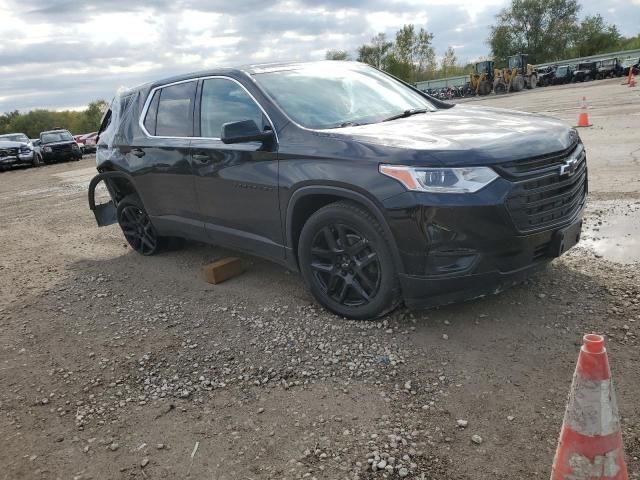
column 516, row 77
column 481, row 81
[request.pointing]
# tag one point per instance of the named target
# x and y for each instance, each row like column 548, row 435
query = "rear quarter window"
column 174, row 117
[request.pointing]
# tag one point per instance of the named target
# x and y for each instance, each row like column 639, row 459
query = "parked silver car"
column 17, row 149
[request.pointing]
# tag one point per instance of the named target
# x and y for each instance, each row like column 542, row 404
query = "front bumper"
column 55, row 156
column 17, row 160
column 456, row 248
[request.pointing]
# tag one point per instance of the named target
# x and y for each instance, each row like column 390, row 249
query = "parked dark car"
column 563, row 74
column 58, row 145
column 373, row 190
column 609, row 67
column 546, row 75
column 16, row 149
column 585, row 72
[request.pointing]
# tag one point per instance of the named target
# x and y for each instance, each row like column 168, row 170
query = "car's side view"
column 374, row 191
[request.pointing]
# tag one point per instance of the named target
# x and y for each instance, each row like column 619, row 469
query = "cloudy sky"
column 64, row 53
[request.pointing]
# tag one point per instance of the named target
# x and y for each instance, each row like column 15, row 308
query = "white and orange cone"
column 590, row 445
column 583, row 117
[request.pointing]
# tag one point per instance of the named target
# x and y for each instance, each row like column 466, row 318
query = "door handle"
column 200, row 157
column 138, row 152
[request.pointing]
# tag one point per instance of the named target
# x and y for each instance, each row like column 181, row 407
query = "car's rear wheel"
column 346, row 262
column 137, row 227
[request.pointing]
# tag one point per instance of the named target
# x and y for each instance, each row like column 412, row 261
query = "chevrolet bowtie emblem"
column 569, row 167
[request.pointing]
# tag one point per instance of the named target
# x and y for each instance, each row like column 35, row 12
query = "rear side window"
column 152, row 112
column 225, row 101
column 174, row 116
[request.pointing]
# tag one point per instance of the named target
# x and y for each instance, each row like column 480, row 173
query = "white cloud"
column 57, row 53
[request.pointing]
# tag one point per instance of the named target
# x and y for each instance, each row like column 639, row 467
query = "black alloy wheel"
column 346, row 262
column 345, row 265
column 137, row 227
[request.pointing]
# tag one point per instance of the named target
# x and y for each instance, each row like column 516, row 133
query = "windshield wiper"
column 406, row 113
column 349, row 124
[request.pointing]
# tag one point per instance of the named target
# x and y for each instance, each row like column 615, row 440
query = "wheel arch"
column 307, row 200
column 119, row 184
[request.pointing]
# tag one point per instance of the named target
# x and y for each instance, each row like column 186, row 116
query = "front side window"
column 225, row 101
column 175, row 110
column 328, row 95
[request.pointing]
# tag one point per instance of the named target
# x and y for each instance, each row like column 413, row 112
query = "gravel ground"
column 117, row 366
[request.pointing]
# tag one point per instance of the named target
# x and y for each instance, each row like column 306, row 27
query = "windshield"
column 15, row 137
column 56, row 137
column 335, row 94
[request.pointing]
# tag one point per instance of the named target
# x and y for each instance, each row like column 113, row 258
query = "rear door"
column 236, row 185
column 164, row 174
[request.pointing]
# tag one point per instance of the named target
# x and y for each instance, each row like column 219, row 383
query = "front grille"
column 544, row 197
column 61, row 148
column 536, row 165
column 9, row 152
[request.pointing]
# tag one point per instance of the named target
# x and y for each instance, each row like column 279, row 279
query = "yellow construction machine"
column 517, row 76
column 481, row 81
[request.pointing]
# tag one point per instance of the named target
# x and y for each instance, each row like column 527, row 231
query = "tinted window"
column 152, row 111
column 175, row 110
column 225, row 101
column 51, row 137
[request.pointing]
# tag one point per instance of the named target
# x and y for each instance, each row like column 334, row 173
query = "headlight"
column 441, row 180
column 74, row 146
column 47, row 149
column 25, row 149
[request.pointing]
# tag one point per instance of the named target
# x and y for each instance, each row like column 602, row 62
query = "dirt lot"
column 115, row 366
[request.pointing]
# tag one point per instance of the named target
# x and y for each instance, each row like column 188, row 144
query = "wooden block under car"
column 222, row 270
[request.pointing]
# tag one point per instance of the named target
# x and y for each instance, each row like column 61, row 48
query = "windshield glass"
column 56, row 137
column 335, row 94
column 15, row 137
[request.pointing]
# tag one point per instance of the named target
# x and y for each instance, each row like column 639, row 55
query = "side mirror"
column 244, row 131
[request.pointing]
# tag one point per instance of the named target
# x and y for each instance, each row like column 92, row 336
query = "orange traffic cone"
column 590, row 445
column 583, row 118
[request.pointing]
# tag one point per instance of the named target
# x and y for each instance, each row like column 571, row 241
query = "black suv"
column 375, row 191
column 585, row 72
column 57, row 145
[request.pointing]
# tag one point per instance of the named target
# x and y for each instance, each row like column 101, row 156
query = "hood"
column 11, row 144
column 467, row 135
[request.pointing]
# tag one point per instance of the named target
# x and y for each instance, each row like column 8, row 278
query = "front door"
column 236, row 185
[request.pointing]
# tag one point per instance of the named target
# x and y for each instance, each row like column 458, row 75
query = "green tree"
column 426, row 56
column 377, row 53
column 336, row 55
column 542, row 28
column 448, row 60
column 36, row 121
column 594, row 36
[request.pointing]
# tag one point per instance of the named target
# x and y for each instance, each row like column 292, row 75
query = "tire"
column 137, row 228
column 37, row 160
column 500, row 88
column 517, row 84
column 346, row 262
column 484, row 88
column 533, row 82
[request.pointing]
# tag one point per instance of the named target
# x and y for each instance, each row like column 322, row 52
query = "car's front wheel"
column 346, row 262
